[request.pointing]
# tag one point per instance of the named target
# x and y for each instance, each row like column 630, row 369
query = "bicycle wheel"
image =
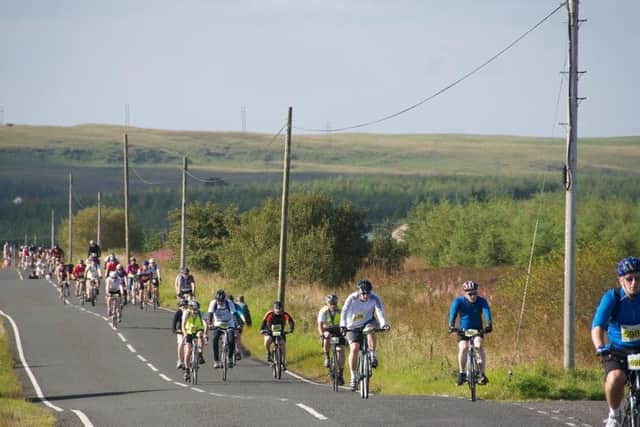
column 114, row 313
column 472, row 374
column 225, row 357
column 365, row 374
column 334, row 369
column 194, row 364
column 277, row 360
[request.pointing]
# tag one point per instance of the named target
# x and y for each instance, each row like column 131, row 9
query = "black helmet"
column 331, row 299
column 277, row 304
column 220, row 295
column 365, row 286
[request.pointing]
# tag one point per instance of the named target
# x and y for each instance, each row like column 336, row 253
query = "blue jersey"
column 623, row 331
column 470, row 313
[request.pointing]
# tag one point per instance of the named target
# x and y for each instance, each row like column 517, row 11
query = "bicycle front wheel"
column 365, row 374
column 334, row 369
column 277, row 360
column 225, row 358
column 472, row 374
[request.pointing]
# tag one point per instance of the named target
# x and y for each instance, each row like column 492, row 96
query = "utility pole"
column 53, row 227
column 570, row 192
column 99, row 228
column 70, row 253
column 243, row 118
column 127, row 115
column 183, row 224
column 282, row 270
column 126, row 196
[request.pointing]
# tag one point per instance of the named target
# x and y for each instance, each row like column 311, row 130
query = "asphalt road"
column 95, row 375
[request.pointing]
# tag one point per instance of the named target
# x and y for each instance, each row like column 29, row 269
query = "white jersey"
column 93, row 272
column 356, row 314
column 114, row 284
column 223, row 313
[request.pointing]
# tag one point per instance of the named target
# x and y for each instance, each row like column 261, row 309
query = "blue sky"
column 194, row 64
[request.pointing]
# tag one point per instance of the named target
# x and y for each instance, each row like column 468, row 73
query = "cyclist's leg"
column 216, row 345
column 354, row 349
column 180, row 350
column 614, row 388
column 463, row 346
column 267, row 347
column 478, row 341
column 232, row 345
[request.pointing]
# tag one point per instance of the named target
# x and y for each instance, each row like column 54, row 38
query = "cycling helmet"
column 81, row 261
column 145, row 262
column 132, row 259
column 152, row 260
column 331, row 299
column 220, row 295
column 277, row 304
column 92, row 242
column 119, row 267
column 194, row 304
column 469, row 286
column 628, row 265
column 184, row 271
column 113, row 274
column 365, row 286
column 230, row 297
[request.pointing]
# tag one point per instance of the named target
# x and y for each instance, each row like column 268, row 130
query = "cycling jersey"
column 114, row 284
column 623, row 331
column 470, row 313
column 192, row 324
column 271, row 319
column 93, row 272
column 78, row 271
column 185, row 283
column 356, row 313
column 221, row 314
column 132, row 269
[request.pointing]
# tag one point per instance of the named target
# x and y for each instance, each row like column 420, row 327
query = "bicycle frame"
column 276, row 355
column 630, row 411
column 193, row 365
column 472, row 368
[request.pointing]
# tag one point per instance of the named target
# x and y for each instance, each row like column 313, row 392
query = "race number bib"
column 630, row 333
column 357, row 316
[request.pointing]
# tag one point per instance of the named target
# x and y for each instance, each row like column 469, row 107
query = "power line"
column 144, row 181
column 444, row 89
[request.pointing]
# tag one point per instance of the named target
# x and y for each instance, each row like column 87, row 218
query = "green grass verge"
column 14, row 409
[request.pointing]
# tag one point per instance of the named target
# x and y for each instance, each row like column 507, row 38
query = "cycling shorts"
column 190, row 337
column 112, row 293
column 464, row 338
column 183, row 293
column 616, row 360
column 356, row 335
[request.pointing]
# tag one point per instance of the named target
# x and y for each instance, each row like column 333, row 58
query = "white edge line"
column 312, row 411
column 122, row 338
column 85, row 420
column 131, row 349
column 32, row 377
column 164, row 377
column 142, row 358
column 153, row 368
column 302, row 378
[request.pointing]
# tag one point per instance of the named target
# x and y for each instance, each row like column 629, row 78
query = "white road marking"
column 32, row 377
column 542, row 412
column 180, row 384
column 131, row 349
column 122, row 338
column 85, row 420
column 217, row 395
column 570, row 424
column 199, row 390
column 153, row 368
column 106, row 319
column 312, row 411
column 142, row 358
column 164, row 377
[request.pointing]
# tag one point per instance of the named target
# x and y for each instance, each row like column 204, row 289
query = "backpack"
column 616, row 308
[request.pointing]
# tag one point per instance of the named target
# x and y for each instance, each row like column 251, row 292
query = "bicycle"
column 81, row 284
column 277, row 358
column 334, row 368
column 224, row 347
column 115, row 309
column 630, row 416
column 64, row 290
column 365, row 371
column 473, row 362
column 153, row 293
column 194, row 364
column 93, row 291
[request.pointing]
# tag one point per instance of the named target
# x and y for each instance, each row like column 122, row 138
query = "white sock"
column 353, row 375
column 615, row 412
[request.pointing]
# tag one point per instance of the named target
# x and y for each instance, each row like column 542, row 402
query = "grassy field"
column 421, row 154
column 15, row 411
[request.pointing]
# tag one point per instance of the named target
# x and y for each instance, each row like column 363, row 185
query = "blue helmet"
column 628, row 265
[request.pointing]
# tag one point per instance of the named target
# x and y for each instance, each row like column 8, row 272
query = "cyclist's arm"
column 453, row 312
column 379, row 310
column 346, row 311
column 292, row 324
column 486, row 311
column 598, row 336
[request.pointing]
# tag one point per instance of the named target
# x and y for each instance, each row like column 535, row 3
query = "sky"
column 232, row 65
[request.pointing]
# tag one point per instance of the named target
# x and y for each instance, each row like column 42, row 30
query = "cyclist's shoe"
column 267, row 357
column 284, row 367
column 374, row 361
column 217, row 364
column 187, row 377
column 179, row 365
column 326, row 361
column 340, row 380
column 238, row 356
column 612, row 421
column 483, row 380
column 354, row 384
column 201, row 360
column 231, row 363
column 462, row 377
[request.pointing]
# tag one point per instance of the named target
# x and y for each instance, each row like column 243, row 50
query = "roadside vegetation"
column 14, row 409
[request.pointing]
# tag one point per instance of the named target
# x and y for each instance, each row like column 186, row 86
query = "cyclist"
column 61, row 276
column 185, row 284
column 176, row 327
column 132, row 276
column 114, row 286
column 328, row 326
column 144, row 279
column 110, row 264
column 221, row 312
column 194, row 326
column 470, row 307
column 279, row 318
column 78, row 275
column 361, row 308
column 155, row 278
column 93, row 274
column 241, row 320
column 94, row 251
column 614, row 333
column 57, row 252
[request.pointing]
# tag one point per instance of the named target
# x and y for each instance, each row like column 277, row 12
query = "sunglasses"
column 631, row 278
column 472, row 294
